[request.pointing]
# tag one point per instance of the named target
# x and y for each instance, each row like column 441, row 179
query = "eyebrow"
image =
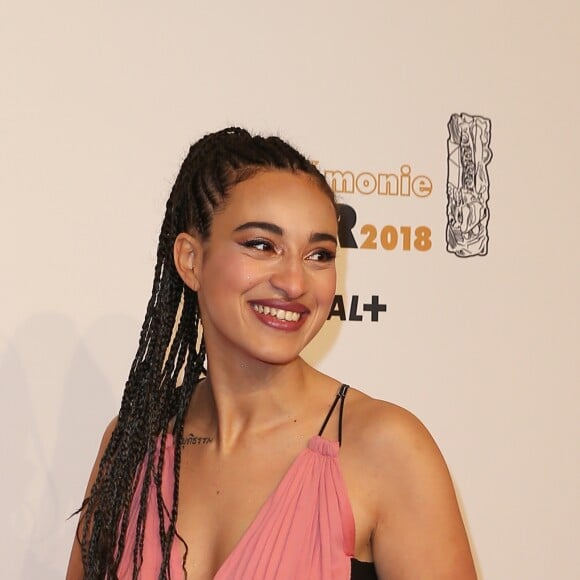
column 277, row 230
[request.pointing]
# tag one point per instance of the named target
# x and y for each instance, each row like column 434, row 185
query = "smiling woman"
column 217, row 465
column 271, row 246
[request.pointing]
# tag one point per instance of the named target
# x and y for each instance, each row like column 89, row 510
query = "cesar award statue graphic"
column 468, row 155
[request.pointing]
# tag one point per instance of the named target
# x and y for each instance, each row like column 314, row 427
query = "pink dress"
column 305, row 530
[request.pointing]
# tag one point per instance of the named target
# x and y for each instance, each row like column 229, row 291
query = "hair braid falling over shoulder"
column 170, row 345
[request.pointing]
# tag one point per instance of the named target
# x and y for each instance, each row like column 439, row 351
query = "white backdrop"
column 99, row 103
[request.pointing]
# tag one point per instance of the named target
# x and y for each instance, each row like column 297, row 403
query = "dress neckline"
column 326, row 450
column 323, row 450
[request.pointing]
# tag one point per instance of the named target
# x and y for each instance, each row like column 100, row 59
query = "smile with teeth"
column 278, row 313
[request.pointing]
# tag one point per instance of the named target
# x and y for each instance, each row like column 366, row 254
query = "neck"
column 248, row 399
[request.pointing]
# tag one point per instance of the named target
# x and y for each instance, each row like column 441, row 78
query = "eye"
column 258, row 244
column 322, row 256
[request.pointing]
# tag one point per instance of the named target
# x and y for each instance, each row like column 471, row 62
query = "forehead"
column 280, row 197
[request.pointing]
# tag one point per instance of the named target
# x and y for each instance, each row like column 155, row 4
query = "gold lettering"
column 405, row 180
column 422, row 186
column 366, row 183
column 340, row 181
column 388, row 184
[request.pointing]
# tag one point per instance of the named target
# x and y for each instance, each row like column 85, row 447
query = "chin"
column 277, row 358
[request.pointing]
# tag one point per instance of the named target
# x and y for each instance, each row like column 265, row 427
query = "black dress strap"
column 340, row 396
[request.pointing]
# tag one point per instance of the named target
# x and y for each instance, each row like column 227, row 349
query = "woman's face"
column 266, row 276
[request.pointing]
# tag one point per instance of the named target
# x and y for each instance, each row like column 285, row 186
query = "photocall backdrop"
column 449, row 131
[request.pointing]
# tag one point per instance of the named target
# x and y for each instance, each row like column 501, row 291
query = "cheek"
column 327, row 288
column 248, row 275
column 233, row 273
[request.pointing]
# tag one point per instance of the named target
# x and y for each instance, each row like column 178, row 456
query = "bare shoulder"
column 393, row 448
column 381, row 429
column 418, row 531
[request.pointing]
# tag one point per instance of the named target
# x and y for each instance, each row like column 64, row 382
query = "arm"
column 75, row 569
column 419, row 532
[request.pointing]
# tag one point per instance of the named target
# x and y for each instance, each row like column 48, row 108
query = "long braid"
column 171, row 341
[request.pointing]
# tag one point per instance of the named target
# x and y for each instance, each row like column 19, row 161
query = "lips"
column 278, row 313
column 272, row 313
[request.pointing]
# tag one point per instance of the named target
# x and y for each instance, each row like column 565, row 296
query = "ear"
column 187, row 253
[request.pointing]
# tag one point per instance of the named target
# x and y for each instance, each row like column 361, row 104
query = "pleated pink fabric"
column 306, row 527
column 304, row 530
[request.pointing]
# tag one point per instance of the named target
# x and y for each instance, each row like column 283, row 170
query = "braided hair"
column 170, row 346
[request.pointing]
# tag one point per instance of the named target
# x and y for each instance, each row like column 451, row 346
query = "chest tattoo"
column 192, row 439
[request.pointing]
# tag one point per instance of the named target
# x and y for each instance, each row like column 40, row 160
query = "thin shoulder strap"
column 340, row 396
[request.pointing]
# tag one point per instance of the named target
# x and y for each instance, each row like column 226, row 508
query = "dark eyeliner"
column 254, row 242
column 325, row 255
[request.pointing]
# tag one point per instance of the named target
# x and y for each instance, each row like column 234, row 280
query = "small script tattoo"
column 192, row 439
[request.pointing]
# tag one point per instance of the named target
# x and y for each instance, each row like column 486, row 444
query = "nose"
column 289, row 277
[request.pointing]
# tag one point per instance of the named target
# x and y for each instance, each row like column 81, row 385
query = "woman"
column 260, row 466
